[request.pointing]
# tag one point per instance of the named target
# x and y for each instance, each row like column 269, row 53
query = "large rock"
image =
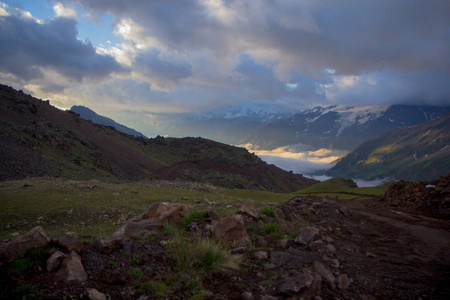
column 71, row 269
column 306, row 235
column 94, row 294
column 231, row 231
column 326, row 274
column 295, row 283
column 133, row 229
column 11, row 250
column 167, row 212
column 107, row 245
column 55, row 260
column 70, row 243
column 280, row 258
column 249, row 211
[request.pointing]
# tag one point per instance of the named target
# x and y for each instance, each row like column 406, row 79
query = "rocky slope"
column 89, row 114
column 419, row 152
column 306, row 248
column 39, row 140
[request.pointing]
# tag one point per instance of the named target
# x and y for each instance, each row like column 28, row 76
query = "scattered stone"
column 70, row 244
column 247, row 296
column 284, row 243
column 54, row 261
column 279, row 258
column 335, row 263
column 249, row 211
column 327, row 239
column 70, row 233
column 261, row 255
column 268, row 297
column 229, row 206
column 230, row 230
column 306, row 235
column 14, row 234
column 370, row 254
column 270, row 266
column 330, row 248
column 261, row 241
column 295, row 283
column 211, row 215
column 325, row 273
column 17, row 247
column 93, row 294
column 167, row 212
column 343, row 282
column 71, row 269
column 316, row 245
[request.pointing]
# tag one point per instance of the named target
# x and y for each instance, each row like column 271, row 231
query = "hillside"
column 419, row 152
column 39, row 140
column 89, row 114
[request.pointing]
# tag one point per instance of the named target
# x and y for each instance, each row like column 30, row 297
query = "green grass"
column 341, row 188
column 268, row 211
column 194, row 216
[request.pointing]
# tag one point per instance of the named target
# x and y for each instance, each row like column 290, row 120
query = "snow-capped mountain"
column 339, row 127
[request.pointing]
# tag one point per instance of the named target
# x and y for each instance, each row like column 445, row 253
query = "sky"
column 139, row 62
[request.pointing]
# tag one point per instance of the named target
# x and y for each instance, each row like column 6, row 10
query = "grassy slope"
column 95, row 208
column 340, row 188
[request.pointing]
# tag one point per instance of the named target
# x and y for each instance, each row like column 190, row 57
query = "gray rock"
column 17, row 247
column 54, row 261
column 268, row 297
column 107, row 245
column 306, row 235
column 133, row 229
column 284, row 243
column 71, row 269
column 70, row 243
column 249, row 211
column 343, row 282
column 295, row 283
column 247, row 296
column 262, row 255
column 270, row 266
column 279, row 258
column 93, row 294
column 316, row 245
column 167, row 212
column 330, row 248
column 325, row 273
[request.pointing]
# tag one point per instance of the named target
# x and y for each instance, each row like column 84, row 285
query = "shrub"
column 194, row 216
column 136, row 273
column 170, row 229
column 268, row 211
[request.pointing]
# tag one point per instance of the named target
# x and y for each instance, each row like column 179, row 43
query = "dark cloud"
column 29, row 47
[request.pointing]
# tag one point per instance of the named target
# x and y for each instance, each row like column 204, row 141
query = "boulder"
column 107, row 245
column 71, row 269
column 343, row 282
column 70, row 243
column 54, row 261
column 231, row 231
column 249, row 210
column 94, row 294
column 167, row 212
column 247, row 296
column 261, row 255
column 11, row 250
column 326, row 274
column 306, row 235
column 295, row 283
column 133, row 229
column 280, row 258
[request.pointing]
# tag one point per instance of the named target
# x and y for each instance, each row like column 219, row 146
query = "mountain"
column 38, row 139
column 339, row 127
column 91, row 115
column 230, row 125
column 420, row 152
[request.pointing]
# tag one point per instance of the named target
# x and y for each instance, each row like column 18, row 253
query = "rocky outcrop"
column 36, row 237
column 249, row 210
column 71, row 269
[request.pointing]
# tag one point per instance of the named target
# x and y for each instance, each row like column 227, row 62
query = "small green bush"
column 170, row 229
column 268, row 211
column 136, row 273
column 193, row 216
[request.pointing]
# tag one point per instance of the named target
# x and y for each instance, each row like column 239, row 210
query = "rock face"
column 167, row 212
column 71, row 269
column 230, row 230
column 36, row 237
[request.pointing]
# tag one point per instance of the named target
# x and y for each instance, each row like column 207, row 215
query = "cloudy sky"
column 138, row 60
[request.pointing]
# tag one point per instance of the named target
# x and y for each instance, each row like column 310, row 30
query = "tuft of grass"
column 158, row 289
column 28, row 291
column 199, row 255
column 193, row 216
column 268, row 211
column 170, row 229
column 136, row 273
column 33, row 257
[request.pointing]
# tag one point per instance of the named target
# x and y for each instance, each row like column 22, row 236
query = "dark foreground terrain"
column 306, row 248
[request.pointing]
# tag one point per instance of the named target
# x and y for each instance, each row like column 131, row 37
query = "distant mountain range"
column 88, row 114
column 37, row 139
column 334, row 127
column 420, row 152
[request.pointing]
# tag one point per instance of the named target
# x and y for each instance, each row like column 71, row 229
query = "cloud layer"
column 185, row 56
